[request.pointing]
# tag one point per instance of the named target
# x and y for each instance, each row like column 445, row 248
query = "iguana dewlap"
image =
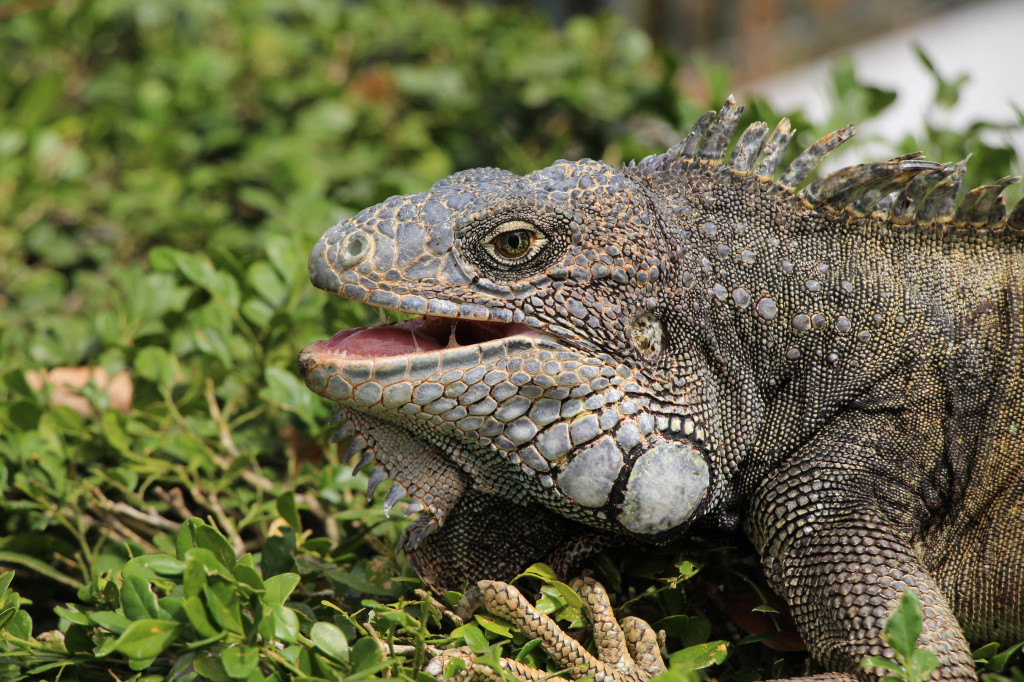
column 609, row 353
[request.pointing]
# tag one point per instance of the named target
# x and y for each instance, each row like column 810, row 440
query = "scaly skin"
column 839, row 369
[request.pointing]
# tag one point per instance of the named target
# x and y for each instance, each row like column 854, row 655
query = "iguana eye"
column 515, row 242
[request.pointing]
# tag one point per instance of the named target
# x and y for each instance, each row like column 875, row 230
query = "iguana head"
column 565, row 379
column 526, row 376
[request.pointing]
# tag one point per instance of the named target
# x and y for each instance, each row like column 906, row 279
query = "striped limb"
column 626, row 651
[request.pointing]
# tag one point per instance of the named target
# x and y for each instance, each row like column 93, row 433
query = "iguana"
column 689, row 341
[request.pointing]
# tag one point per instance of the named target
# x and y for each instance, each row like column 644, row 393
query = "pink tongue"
column 379, row 342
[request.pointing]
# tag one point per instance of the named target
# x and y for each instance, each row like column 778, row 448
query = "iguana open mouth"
column 421, row 335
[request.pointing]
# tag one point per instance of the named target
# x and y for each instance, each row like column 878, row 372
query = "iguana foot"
column 627, row 651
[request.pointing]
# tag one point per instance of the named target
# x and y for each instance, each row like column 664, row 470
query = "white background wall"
column 984, row 40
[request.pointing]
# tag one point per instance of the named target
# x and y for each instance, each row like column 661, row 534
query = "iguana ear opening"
column 666, row 484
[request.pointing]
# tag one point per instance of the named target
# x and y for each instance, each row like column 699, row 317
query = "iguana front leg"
column 836, row 546
column 627, row 651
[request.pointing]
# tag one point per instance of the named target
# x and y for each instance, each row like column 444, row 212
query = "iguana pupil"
column 514, row 244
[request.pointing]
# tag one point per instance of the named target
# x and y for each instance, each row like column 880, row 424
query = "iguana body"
column 688, row 339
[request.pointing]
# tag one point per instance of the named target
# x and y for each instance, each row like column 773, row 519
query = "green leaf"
column 208, row 561
column 330, row 639
column 365, row 654
column 473, row 637
column 210, row 538
column 148, row 637
column 185, row 539
column 223, row 604
column 870, row 662
column 240, row 661
column 984, row 653
column 568, row 595
column 286, row 623
column 689, row 630
column 527, row 648
column 209, row 665
column 157, row 365
column 454, row 666
column 195, row 609
column 920, row 664
column 19, row 625
column 999, row 662
column 137, row 599
column 904, row 626
column 247, row 575
column 542, row 571
column 153, row 566
column 700, row 656
column 494, row 625
column 194, row 579
column 279, row 587
column 686, row 570
column 72, row 615
column 110, row 620
column 286, row 508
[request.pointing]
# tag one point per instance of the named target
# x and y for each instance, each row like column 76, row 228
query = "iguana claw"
column 627, row 651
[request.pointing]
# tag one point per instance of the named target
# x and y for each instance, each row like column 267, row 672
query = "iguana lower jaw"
column 399, row 385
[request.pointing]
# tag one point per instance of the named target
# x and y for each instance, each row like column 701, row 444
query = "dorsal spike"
column 775, row 149
column 877, row 208
column 937, row 207
column 860, row 187
column 984, row 206
column 868, row 199
column 834, row 189
column 688, row 147
column 744, row 154
column 908, row 156
column 1015, row 221
column 908, row 201
column 719, row 135
column 809, row 159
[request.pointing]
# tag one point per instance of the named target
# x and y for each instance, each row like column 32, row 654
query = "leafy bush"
column 164, row 168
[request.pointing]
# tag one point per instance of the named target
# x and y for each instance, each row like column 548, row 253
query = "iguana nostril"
column 355, row 250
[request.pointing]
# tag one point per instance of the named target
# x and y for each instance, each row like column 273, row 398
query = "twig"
column 443, row 608
column 175, row 499
column 150, row 518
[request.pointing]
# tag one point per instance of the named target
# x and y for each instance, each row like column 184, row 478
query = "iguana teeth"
column 377, row 476
column 396, row 493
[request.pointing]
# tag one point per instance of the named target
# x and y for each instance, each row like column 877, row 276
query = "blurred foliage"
column 164, row 168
